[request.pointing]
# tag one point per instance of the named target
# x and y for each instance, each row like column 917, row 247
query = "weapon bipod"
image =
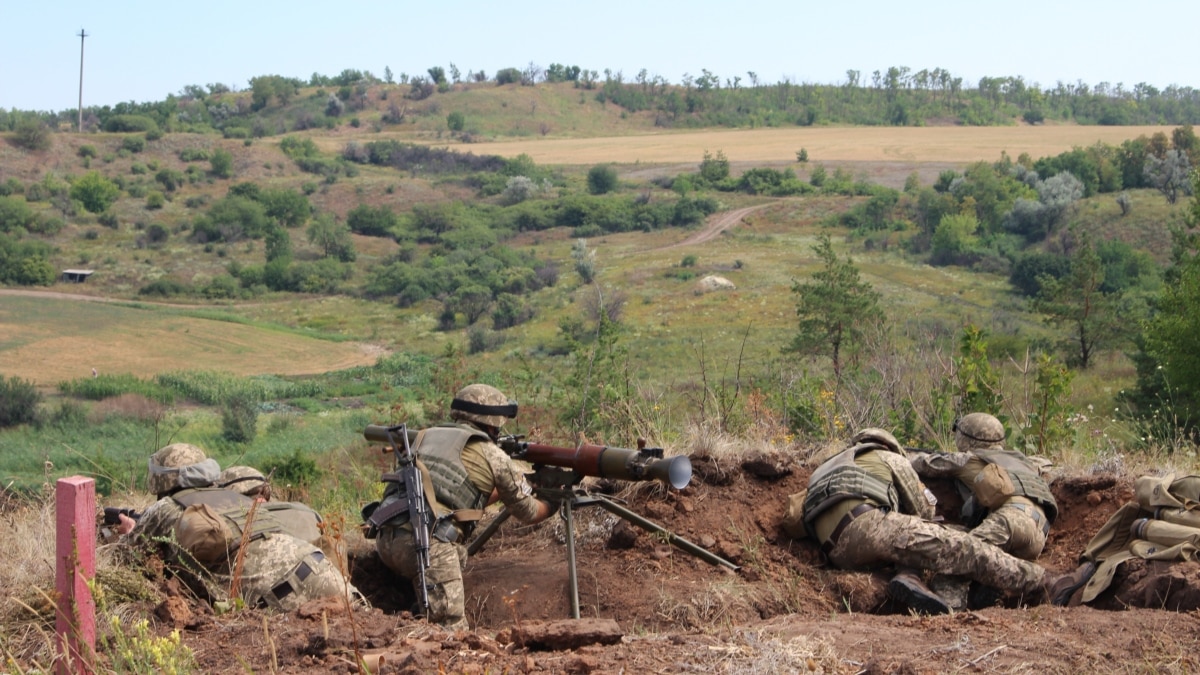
column 577, row 498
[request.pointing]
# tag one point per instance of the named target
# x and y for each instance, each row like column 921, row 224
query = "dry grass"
column 824, row 144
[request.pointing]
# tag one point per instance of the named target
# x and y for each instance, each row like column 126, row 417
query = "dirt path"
column 715, row 226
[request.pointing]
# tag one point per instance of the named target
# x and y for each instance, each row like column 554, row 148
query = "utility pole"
column 82, row 35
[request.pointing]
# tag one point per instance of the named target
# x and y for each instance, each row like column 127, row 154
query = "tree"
column 601, row 179
column 953, row 238
column 455, row 121
column 278, row 243
column 95, row 192
column 835, row 308
column 1095, row 320
column 1169, row 175
column 473, row 300
column 333, row 237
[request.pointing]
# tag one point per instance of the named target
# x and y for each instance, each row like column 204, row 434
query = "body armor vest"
column 1028, row 483
column 841, row 478
column 439, row 450
column 234, row 507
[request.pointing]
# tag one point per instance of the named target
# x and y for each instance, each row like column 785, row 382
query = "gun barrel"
column 380, row 434
column 608, row 462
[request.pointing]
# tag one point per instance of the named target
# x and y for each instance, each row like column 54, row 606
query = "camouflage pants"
column 282, row 572
column 443, row 577
column 1014, row 530
column 878, row 538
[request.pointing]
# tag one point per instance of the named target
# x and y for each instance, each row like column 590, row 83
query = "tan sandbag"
column 203, row 533
column 1187, row 490
column 793, row 518
column 993, row 486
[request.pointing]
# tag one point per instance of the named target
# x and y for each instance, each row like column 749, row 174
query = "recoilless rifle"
column 557, row 476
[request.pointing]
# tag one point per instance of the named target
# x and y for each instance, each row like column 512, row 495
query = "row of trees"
column 897, row 95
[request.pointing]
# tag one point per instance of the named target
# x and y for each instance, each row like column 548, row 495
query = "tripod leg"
column 573, row 578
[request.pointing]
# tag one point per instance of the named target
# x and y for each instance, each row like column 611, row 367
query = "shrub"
column 95, row 192
column 86, row 151
column 295, row 470
column 133, row 143
column 155, row 200
column 126, row 123
column 193, row 155
column 239, row 418
column 19, row 401
column 601, row 179
column 455, row 121
column 222, row 163
column 33, row 135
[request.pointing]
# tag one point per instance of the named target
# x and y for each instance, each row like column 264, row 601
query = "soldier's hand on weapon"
column 126, row 525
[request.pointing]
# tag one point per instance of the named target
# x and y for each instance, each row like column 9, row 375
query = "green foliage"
column 15, row 214
column 1094, row 319
column 155, row 200
column 33, row 135
column 105, row 386
column 297, row 469
column 86, row 151
column 1046, row 426
column 25, row 263
column 689, row 260
column 714, row 168
column 371, row 221
column 456, row 121
column 143, row 653
column 978, row 384
column 231, row 219
column 19, row 400
column 133, row 143
column 239, row 418
column 130, row 123
column 954, row 239
column 601, row 179
column 222, row 163
column 585, row 261
column 835, row 308
column 165, row 288
column 215, row 388
column 802, row 155
column 332, row 237
column 95, row 192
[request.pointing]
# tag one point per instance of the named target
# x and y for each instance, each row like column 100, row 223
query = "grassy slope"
column 668, row 324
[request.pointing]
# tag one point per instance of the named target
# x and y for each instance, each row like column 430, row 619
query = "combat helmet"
column 879, row 437
column 181, row 465
column 246, row 480
column 977, row 430
column 482, row 404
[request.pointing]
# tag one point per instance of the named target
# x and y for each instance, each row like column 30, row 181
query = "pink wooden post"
column 75, row 552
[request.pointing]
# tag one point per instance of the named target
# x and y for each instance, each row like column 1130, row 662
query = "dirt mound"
column 651, row 607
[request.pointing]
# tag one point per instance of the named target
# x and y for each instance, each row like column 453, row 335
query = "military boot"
column 1060, row 587
column 907, row 589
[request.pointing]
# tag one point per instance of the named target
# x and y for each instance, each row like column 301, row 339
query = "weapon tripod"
column 573, row 497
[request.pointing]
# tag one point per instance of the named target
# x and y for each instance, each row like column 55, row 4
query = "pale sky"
column 143, row 51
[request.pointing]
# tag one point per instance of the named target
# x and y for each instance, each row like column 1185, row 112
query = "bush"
column 127, row 123
column 455, row 121
column 133, row 143
column 86, row 151
column 222, row 163
column 95, row 192
column 33, row 135
column 155, row 200
column 601, row 179
column 19, row 401
column 239, row 418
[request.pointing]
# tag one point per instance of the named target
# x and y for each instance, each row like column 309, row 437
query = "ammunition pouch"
column 445, row 530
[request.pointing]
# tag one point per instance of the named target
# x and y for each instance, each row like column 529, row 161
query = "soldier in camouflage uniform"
column 1017, row 517
column 867, row 508
column 277, row 570
column 467, row 471
column 298, row 520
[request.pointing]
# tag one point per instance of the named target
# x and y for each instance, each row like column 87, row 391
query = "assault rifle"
column 420, row 514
